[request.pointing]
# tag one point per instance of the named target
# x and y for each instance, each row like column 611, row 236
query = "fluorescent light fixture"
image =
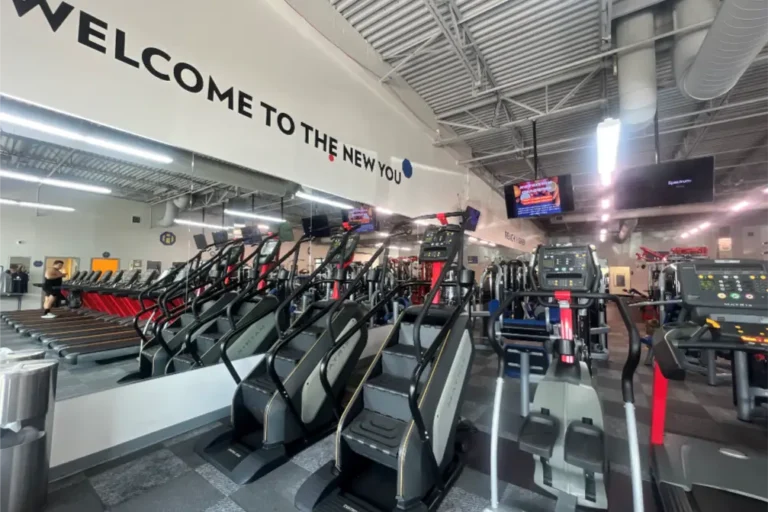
column 603, row 237
column 384, row 211
column 382, row 233
column 684, row 235
column 329, row 202
column 263, row 226
column 379, row 245
column 694, row 231
column 765, row 190
column 53, row 182
column 248, row 215
column 704, row 225
column 608, row 133
column 491, row 244
column 472, row 239
column 183, row 222
column 40, row 206
column 605, row 204
column 421, row 222
column 740, row 206
column 603, row 231
column 238, row 225
column 419, row 242
column 605, row 217
column 405, row 248
column 484, row 242
column 93, row 141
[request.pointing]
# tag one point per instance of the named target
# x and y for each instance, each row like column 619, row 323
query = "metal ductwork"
column 625, row 229
column 709, row 62
column 636, row 71
column 172, row 209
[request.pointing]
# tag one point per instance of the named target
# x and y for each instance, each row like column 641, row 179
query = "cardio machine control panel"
column 739, row 284
column 268, row 252
column 439, row 241
column 348, row 251
column 566, row 268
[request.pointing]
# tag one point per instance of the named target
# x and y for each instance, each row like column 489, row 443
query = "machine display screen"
column 220, row 238
column 735, row 285
column 200, row 241
column 438, row 242
column 537, row 198
column 565, row 268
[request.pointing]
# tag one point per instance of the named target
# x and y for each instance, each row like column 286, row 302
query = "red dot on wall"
column 331, row 158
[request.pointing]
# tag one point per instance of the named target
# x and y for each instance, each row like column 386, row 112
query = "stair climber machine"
column 198, row 293
column 564, row 429
column 399, row 442
column 284, row 404
column 247, row 326
column 725, row 303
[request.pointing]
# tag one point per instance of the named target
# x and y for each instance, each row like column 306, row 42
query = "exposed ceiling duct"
column 626, row 229
column 709, row 62
column 636, row 71
column 172, row 209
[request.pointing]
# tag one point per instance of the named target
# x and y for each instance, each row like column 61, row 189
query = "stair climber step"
column 261, row 383
column 376, row 436
column 388, row 395
column 400, row 361
column 538, row 434
column 206, row 341
column 286, row 360
column 584, row 447
column 306, row 338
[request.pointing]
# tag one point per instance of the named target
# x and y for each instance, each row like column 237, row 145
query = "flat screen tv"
column 471, row 218
column 220, row 238
column 250, row 235
column 285, row 232
column 665, row 184
column 316, row 226
column 538, row 198
column 364, row 216
column 200, row 241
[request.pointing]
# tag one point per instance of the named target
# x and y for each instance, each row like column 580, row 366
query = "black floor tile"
column 187, row 493
column 185, row 450
column 122, row 460
column 78, row 497
column 274, row 492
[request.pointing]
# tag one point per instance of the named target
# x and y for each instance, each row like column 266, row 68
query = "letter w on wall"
column 55, row 18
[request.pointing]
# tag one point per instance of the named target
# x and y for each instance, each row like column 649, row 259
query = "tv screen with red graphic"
column 537, row 198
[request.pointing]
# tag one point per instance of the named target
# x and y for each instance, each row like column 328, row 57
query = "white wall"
column 268, row 53
column 99, row 224
column 91, row 423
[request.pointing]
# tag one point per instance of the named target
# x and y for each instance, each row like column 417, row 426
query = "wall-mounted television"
column 316, row 226
column 364, row 216
column 251, row 235
column 200, row 241
column 665, row 184
column 537, row 198
column 220, row 238
column 471, row 219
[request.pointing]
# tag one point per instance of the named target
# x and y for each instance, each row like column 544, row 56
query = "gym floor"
column 170, row 476
column 74, row 379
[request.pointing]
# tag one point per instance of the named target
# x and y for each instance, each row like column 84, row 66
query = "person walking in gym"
column 52, row 286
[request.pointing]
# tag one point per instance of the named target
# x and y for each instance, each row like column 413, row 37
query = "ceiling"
column 486, row 67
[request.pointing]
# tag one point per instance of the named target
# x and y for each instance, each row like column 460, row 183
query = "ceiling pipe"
column 172, row 209
column 709, row 62
column 636, row 71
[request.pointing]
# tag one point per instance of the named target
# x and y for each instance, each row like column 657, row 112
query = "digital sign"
column 537, row 198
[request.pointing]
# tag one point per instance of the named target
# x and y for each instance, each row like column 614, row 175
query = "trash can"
column 27, row 398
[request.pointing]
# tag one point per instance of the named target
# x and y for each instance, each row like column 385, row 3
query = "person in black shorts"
column 52, row 287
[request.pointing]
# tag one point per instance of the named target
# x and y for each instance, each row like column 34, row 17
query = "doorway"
column 620, row 279
column 71, row 265
column 105, row 264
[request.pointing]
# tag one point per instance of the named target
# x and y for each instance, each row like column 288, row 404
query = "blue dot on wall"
column 407, row 168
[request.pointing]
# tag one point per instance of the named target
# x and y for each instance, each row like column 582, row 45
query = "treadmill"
column 117, row 338
column 8, row 316
column 727, row 304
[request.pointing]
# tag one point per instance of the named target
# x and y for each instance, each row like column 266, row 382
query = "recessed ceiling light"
column 605, row 217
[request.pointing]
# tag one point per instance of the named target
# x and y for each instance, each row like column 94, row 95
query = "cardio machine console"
column 720, row 287
column 566, row 268
column 439, row 241
column 268, row 252
column 348, row 251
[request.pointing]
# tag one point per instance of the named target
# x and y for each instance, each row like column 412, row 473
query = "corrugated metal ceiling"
column 521, row 44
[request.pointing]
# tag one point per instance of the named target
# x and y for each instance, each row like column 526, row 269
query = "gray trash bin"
column 27, row 398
